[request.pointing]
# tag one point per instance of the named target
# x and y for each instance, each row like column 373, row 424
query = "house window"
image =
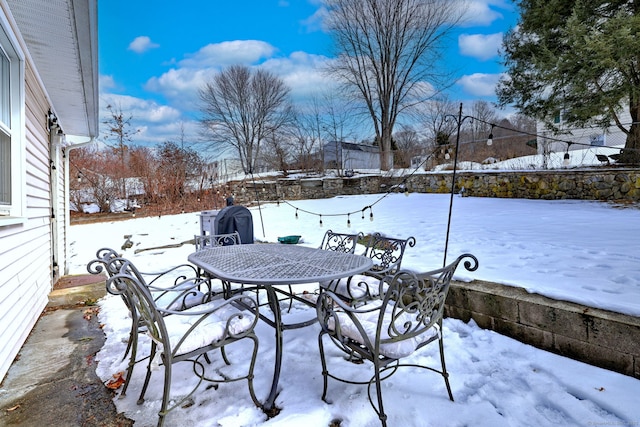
column 12, row 167
column 5, row 130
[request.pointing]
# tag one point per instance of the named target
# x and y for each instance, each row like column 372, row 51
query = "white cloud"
column 218, row 55
column 106, row 82
column 181, row 85
column 144, row 110
column 480, row 46
column 301, row 71
column 142, row 44
column 483, row 12
column 480, row 84
column 154, row 122
column 316, row 22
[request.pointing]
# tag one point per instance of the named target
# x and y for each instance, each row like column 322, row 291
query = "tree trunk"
column 631, row 152
column 385, row 150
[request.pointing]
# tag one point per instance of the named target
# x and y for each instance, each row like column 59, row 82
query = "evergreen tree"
column 578, row 58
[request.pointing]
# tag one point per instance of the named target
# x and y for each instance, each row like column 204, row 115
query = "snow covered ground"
column 586, row 252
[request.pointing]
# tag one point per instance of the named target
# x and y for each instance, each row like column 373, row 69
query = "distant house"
column 48, row 98
column 580, row 138
column 350, row 156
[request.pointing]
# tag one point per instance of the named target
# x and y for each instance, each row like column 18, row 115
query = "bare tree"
column 118, row 135
column 387, row 54
column 241, row 108
column 95, row 172
column 484, row 115
column 276, row 151
column 435, row 116
column 408, row 146
column 143, row 163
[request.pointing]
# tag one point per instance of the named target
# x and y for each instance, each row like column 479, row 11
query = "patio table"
column 266, row 265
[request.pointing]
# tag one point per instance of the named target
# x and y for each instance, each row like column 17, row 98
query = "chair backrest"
column 128, row 283
column 101, row 263
column 340, row 242
column 415, row 302
column 209, row 240
column 386, row 253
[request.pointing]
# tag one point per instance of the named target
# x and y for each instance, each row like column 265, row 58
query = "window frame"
column 15, row 211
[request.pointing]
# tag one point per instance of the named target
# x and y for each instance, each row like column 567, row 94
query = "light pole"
column 459, row 120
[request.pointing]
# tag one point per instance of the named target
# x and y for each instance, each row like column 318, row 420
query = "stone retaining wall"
column 619, row 184
column 594, row 336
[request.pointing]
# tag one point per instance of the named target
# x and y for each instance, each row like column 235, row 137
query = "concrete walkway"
column 52, row 382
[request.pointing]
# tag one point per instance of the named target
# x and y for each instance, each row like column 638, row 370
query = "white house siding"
column 25, row 249
column 581, row 138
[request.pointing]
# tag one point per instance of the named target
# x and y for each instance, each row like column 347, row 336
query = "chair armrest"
column 193, row 272
column 182, row 295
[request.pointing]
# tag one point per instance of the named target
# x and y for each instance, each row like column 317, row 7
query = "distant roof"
column 353, row 146
column 62, row 39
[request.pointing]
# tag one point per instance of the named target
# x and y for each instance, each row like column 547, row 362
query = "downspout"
column 67, row 203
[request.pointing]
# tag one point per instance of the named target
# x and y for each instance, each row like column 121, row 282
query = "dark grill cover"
column 235, row 218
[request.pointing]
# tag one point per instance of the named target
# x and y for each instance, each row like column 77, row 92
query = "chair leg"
column 445, row 374
column 251, row 367
column 290, row 299
column 148, row 375
column 165, row 392
column 133, row 346
column 380, row 410
column 224, row 356
column 325, row 373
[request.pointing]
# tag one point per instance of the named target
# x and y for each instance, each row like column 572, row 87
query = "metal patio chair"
column 341, row 242
column 175, row 289
column 178, row 336
column 405, row 318
column 333, row 241
column 208, row 240
column 386, row 253
column 211, row 240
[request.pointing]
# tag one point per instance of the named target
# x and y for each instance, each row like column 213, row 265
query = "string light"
column 348, row 220
column 296, row 213
column 321, row 220
column 370, row 214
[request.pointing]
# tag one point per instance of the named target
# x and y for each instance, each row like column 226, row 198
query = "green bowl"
column 290, row 240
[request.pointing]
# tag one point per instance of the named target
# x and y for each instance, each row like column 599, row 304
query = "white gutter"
column 67, row 203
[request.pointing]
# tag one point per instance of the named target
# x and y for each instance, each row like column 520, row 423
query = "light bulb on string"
column 348, row 220
column 296, row 213
column 320, row 220
column 370, row 214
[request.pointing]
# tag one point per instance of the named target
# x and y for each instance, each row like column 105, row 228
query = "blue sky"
column 154, row 56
